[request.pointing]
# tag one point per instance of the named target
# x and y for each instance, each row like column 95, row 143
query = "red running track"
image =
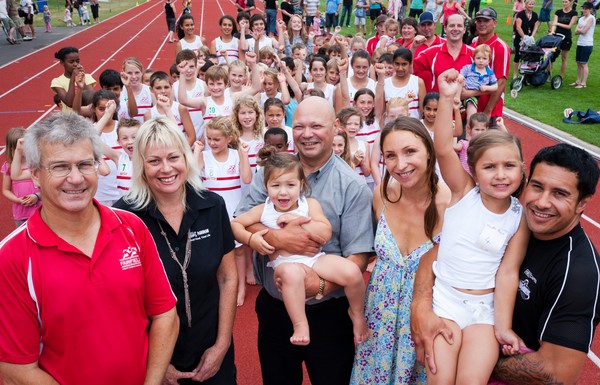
column 25, row 98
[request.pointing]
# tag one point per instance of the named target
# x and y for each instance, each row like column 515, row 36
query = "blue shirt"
column 332, row 6
column 474, row 80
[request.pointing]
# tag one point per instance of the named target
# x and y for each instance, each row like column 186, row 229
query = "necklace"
column 186, row 263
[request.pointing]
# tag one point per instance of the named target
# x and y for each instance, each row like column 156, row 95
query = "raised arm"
column 380, row 92
column 450, row 83
column 507, row 282
column 131, row 103
column 245, row 170
column 199, row 102
column 342, row 94
column 17, row 170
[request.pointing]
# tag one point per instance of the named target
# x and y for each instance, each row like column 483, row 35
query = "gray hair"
column 162, row 132
column 66, row 128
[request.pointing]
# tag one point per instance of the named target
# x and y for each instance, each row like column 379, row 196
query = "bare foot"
column 371, row 265
column 250, row 280
column 359, row 327
column 301, row 334
column 241, row 296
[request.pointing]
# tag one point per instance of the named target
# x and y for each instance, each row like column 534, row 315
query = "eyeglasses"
column 61, row 170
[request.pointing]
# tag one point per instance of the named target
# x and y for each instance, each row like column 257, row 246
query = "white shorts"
column 464, row 309
column 360, row 20
column 303, row 259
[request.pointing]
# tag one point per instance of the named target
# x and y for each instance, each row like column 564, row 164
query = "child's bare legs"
column 293, row 291
column 250, row 280
column 446, row 356
column 347, row 274
column 478, row 354
column 240, row 264
column 471, row 109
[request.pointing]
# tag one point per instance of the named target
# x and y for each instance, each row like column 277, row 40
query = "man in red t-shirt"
column 436, row 59
column 492, row 104
column 427, row 36
column 85, row 298
column 372, row 42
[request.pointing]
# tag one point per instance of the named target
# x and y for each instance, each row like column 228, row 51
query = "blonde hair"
column 398, row 102
column 483, row 48
column 224, row 125
column 250, row 102
column 12, row 137
column 272, row 74
column 303, row 33
column 159, row 132
column 389, row 22
column 134, row 61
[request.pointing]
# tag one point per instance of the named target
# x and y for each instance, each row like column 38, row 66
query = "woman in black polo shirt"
column 191, row 229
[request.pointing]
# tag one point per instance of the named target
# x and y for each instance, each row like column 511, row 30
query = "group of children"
column 233, row 102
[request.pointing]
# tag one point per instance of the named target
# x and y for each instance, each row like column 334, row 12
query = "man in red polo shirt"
column 427, row 36
column 372, row 42
column 492, row 104
column 85, row 298
column 433, row 61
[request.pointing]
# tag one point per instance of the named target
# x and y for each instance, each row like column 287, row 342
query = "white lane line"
column 202, row 18
column 590, row 220
column 219, row 4
column 56, row 63
column 594, row 358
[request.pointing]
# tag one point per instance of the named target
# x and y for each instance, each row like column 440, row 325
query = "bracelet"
column 321, row 291
column 38, row 197
column 250, row 238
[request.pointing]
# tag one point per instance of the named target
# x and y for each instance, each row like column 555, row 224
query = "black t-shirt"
column 270, row 4
column 565, row 18
column 557, row 300
column 288, row 7
column 209, row 228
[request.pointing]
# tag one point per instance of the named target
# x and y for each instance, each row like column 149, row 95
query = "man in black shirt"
column 557, row 304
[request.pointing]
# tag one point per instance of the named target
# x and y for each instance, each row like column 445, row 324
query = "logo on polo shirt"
column 130, row 259
column 201, row 234
column 524, row 289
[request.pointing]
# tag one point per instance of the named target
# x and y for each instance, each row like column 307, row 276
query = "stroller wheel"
column 517, row 84
column 556, row 82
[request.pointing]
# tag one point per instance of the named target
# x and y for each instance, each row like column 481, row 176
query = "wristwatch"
column 321, row 291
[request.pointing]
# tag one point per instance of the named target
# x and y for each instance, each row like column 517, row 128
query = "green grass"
column 542, row 103
column 57, row 8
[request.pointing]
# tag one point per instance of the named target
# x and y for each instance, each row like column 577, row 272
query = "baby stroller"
column 536, row 63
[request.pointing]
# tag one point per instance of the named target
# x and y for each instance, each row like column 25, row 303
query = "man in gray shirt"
column 346, row 201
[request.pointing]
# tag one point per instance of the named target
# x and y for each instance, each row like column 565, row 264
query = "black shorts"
column 566, row 44
column 373, row 13
column 28, row 19
column 171, row 24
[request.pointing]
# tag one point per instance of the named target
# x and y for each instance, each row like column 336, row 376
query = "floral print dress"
column 388, row 356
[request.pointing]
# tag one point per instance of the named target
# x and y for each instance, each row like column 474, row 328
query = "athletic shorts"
column 360, row 20
column 582, row 54
column 566, row 44
column 544, row 15
column 373, row 13
column 464, row 309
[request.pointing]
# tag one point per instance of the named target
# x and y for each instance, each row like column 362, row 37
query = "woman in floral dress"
column 409, row 204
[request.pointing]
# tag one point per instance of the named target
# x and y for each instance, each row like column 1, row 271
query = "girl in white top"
column 249, row 122
column 286, row 188
column 226, row 42
column 104, row 109
column 225, row 167
column 195, row 88
column 318, row 71
column 187, row 38
column 403, row 81
column 360, row 79
column 275, row 118
column 585, row 29
column 275, row 86
column 160, row 85
column 350, row 119
column 483, row 242
column 141, row 92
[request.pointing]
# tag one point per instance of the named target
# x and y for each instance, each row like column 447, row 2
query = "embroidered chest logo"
column 130, row 259
column 232, row 170
column 200, row 234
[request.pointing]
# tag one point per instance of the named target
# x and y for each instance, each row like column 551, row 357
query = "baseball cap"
column 380, row 19
column 487, row 13
column 426, row 17
column 588, row 5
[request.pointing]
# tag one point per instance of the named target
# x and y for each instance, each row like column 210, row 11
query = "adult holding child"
column 409, row 205
column 564, row 20
column 345, row 200
column 192, row 232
